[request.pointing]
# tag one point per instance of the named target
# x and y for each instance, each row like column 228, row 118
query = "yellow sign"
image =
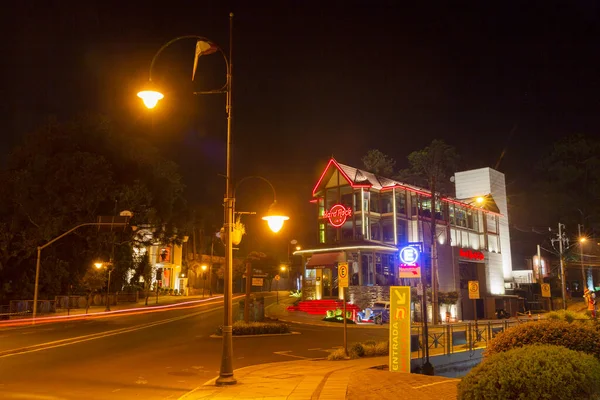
column 399, row 329
column 474, row 289
column 545, row 290
column 343, row 275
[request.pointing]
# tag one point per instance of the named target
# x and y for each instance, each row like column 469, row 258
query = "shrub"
column 329, row 314
column 338, row 312
column 533, row 372
column 375, row 349
column 357, row 349
column 339, row 354
column 241, row 328
column 560, row 333
column 568, row 316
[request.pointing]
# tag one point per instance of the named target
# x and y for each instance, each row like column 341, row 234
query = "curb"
column 215, row 336
column 354, row 326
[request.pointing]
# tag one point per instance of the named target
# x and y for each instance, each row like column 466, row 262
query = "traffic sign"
column 409, row 255
column 545, row 290
column 257, row 281
column 473, row 290
column 277, row 277
column 343, row 274
column 410, row 271
column 399, row 357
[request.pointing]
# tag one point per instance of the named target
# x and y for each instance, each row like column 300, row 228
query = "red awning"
column 326, row 259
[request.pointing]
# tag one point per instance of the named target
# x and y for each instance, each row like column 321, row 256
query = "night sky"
column 311, row 81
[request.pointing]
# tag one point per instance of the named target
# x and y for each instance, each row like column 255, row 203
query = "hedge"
column 580, row 337
column 533, row 372
column 568, row 316
column 241, row 328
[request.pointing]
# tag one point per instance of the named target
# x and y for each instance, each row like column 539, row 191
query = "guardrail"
column 452, row 338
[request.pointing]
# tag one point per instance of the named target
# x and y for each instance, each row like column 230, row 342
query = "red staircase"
column 320, row 307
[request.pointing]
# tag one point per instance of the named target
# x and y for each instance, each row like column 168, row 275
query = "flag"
column 202, row 48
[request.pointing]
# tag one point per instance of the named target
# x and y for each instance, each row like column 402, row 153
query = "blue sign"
column 409, row 255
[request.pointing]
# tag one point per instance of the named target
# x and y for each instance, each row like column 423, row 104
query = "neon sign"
column 409, row 255
column 337, row 215
column 471, row 254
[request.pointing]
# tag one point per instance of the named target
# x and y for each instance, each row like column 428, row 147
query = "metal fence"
column 25, row 307
column 453, row 338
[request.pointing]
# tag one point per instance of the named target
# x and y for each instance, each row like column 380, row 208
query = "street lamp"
column 582, row 240
column 274, row 218
column 109, row 267
column 203, row 277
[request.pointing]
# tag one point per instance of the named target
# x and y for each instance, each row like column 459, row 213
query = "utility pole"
column 434, row 260
column 562, row 266
column 539, row 257
column 580, row 239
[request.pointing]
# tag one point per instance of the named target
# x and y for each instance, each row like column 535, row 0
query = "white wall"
column 480, row 182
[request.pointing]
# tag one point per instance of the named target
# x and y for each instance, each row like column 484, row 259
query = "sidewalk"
column 327, row 380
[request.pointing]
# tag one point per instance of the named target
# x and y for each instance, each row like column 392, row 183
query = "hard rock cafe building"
column 367, row 221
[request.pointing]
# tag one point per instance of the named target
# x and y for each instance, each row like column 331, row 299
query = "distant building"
column 367, row 221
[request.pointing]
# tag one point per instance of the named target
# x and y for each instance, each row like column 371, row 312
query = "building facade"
column 367, row 221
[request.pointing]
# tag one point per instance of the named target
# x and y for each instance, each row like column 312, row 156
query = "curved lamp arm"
column 170, row 42
column 256, row 177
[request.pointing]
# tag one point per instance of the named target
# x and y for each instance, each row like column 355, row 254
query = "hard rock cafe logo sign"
column 337, row 215
column 471, row 254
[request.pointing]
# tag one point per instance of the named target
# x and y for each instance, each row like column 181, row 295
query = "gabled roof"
column 358, row 178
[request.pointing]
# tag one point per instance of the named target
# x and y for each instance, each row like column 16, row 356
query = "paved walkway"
column 327, row 380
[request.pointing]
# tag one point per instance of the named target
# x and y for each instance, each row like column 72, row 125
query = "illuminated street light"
column 480, row 200
column 151, row 97
column 275, row 218
column 109, row 266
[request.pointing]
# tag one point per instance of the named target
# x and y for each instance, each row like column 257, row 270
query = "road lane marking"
column 450, row 380
column 99, row 335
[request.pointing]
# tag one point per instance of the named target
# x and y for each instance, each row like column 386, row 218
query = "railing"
column 25, row 307
column 453, row 338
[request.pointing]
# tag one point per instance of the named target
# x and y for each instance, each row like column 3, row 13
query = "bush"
column 339, row 354
column 338, row 312
column 241, row 328
column 560, row 333
column 533, row 372
column 568, row 316
column 357, row 349
column 329, row 314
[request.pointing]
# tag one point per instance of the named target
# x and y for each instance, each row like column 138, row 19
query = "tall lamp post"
column 151, row 98
column 126, row 214
column 109, row 267
column 582, row 240
column 204, row 278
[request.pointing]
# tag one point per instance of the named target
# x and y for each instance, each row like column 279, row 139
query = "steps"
column 320, row 307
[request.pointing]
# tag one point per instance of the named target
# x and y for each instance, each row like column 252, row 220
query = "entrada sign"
column 471, row 254
column 337, row 214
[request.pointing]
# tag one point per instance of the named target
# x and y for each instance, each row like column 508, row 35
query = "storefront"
column 365, row 220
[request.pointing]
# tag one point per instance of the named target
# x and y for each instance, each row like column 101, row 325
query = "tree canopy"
column 68, row 173
column 379, row 163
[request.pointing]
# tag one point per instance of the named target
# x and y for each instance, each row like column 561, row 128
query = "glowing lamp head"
column 150, row 97
column 204, row 267
column 283, row 268
column 98, row 265
column 298, row 248
column 275, row 217
column 480, row 200
column 582, row 239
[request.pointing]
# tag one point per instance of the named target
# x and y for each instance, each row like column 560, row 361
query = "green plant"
column 339, row 354
column 329, row 314
column 578, row 337
column 568, row 316
column 448, row 297
column 533, row 372
column 296, row 293
column 338, row 312
column 241, row 328
column 357, row 349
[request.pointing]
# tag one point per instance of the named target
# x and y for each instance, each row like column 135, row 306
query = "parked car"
column 379, row 313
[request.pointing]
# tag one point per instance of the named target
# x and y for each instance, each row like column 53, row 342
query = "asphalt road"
column 159, row 355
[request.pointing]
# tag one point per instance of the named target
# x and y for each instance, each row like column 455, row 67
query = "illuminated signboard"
column 337, row 215
column 399, row 360
column 471, row 254
column 409, row 268
column 409, row 255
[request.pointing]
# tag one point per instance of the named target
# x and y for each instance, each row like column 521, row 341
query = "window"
column 492, row 223
column 346, row 196
column 426, row 207
column 414, row 200
column 461, row 217
column 347, row 231
column 331, row 234
column 387, row 205
column 388, row 231
column 451, row 214
column 321, row 203
column 375, row 230
column 402, row 231
column 401, row 201
column 331, row 197
column 357, row 202
column 321, row 233
column 374, row 202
